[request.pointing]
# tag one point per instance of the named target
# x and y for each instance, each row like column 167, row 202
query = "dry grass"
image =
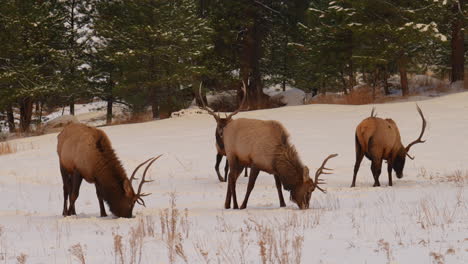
column 7, row 148
column 361, row 96
column 175, row 226
column 21, row 259
column 132, row 118
column 280, row 241
column 385, row 247
column 78, row 252
column 118, row 249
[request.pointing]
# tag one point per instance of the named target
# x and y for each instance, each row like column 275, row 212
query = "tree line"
column 154, row 53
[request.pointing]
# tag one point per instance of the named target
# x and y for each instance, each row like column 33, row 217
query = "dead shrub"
column 21, row 259
column 78, row 252
column 7, row 148
column 174, row 227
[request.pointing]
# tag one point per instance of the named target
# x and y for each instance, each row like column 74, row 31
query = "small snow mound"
column 292, row 96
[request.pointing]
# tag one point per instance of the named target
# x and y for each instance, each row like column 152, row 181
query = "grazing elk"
column 264, row 146
column 379, row 139
column 86, row 153
column 220, row 124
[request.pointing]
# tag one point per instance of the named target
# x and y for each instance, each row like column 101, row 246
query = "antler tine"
column 139, row 195
column 412, row 158
column 138, row 167
column 418, row 140
column 204, row 107
column 244, row 89
column 320, row 171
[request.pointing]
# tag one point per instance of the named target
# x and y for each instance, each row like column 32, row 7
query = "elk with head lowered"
column 264, row 146
column 379, row 139
column 86, row 153
column 220, row 124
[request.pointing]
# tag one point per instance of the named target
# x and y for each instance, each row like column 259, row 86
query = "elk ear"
column 128, row 188
column 305, row 174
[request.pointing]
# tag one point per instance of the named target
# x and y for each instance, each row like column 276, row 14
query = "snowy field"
column 423, row 218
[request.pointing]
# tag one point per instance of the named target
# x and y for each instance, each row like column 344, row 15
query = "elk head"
column 222, row 122
column 399, row 161
column 125, row 206
column 302, row 193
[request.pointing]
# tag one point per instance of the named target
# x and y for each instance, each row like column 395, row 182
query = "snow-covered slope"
column 423, row 217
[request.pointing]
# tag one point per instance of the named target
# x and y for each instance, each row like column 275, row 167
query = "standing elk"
column 264, row 146
column 379, row 139
column 220, row 124
column 86, row 153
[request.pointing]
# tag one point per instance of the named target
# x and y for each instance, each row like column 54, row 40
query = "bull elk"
column 264, row 146
column 220, row 124
column 86, row 153
column 379, row 139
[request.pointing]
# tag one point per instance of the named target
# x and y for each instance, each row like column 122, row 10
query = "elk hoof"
column 353, row 185
column 376, row 184
column 227, row 206
column 283, row 205
column 243, row 206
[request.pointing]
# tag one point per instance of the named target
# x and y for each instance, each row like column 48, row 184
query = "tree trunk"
column 72, row 106
column 155, row 109
column 343, row 80
column 250, row 61
column 402, row 64
column 385, row 81
column 457, row 42
column 10, row 119
column 26, row 109
column 110, row 101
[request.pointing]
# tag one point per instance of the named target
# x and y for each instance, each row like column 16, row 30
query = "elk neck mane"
column 109, row 166
column 287, row 164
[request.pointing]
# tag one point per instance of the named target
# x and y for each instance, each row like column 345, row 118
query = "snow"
column 424, row 216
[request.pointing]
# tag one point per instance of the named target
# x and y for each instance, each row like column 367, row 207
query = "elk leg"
column 226, row 170
column 253, row 177
column 245, row 172
column 357, row 164
column 376, row 168
column 233, row 180
column 219, row 157
column 101, row 202
column 227, row 203
column 389, row 169
column 66, row 189
column 280, row 192
column 75, row 192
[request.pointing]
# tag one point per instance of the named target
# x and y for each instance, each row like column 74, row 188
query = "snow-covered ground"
column 423, row 218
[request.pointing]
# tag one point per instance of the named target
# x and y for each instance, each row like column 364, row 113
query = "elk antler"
column 138, row 195
column 216, row 116
column 137, row 168
column 321, row 171
column 418, row 140
column 244, row 90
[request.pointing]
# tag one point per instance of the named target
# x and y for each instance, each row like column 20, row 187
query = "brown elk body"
column 379, row 139
column 86, row 153
column 264, row 146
